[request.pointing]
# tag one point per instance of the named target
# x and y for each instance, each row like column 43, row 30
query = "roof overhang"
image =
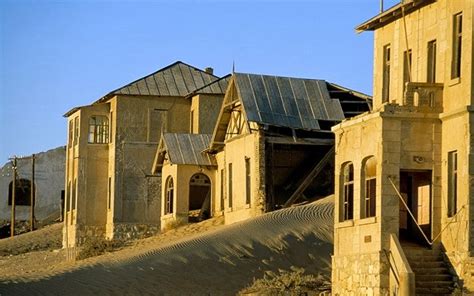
column 392, row 14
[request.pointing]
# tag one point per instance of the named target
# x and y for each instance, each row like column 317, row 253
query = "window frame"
column 369, row 183
column 386, row 73
column 169, row 196
column 431, row 61
column 98, row 132
column 456, row 46
column 230, row 186
column 347, row 192
column 248, row 181
column 452, row 183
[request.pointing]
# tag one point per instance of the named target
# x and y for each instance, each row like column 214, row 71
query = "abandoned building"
column 48, row 186
column 405, row 170
column 111, row 146
column 271, row 146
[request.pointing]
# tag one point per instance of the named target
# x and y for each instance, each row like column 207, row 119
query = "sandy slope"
column 218, row 262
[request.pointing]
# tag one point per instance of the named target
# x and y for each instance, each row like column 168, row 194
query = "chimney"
column 209, row 70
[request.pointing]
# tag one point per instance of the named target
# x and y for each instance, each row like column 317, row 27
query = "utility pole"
column 32, row 197
column 12, row 222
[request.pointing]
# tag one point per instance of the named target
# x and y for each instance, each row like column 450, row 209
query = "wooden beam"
column 313, row 174
column 299, row 141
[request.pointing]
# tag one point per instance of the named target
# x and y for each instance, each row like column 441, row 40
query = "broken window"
column 22, row 192
column 370, row 183
column 76, row 131
column 70, row 133
column 452, row 183
column 386, row 74
column 457, row 46
column 347, row 192
column 229, row 172
column 98, row 129
column 222, row 189
column 406, row 68
column 431, row 67
column 169, row 194
column 247, row 181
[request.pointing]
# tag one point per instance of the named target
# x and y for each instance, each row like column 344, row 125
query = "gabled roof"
column 175, row 80
column 217, row 87
column 296, row 103
column 184, row 149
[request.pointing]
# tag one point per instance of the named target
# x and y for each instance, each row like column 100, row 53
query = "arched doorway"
column 199, row 197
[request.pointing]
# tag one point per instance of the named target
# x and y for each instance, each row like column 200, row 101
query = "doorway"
column 415, row 188
column 199, row 197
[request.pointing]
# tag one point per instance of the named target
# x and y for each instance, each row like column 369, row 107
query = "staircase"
column 432, row 276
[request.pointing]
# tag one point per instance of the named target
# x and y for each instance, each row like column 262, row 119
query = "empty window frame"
column 222, row 189
column 456, row 46
column 347, row 199
column 247, row 181
column 73, row 194
column 70, row 133
column 98, row 129
column 452, row 183
column 431, row 66
column 76, row 131
column 369, row 186
column 68, row 201
column 191, row 122
column 169, row 195
column 229, row 172
column 407, row 59
column 386, row 74
column 109, row 199
column 22, row 192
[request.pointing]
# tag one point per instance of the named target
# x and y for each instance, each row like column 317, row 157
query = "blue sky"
column 55, row 55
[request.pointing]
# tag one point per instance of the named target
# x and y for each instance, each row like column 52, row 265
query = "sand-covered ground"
column 200, row 259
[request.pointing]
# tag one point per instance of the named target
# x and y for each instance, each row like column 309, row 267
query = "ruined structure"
column 404, row 171
column 48, row 186
column 110, row 149
column 272, row 139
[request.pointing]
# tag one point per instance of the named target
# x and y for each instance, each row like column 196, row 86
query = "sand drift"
column 219, row 262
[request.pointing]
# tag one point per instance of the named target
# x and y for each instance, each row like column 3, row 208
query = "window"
column 347, row 192
column 386, row 74
column 98, row 130
column 370, row 177
column 109, row 191
column 230, row 185
column 406, row 68
column 76, row 130
column 452, row 182
column 431, row 67
column 247, row 181
column 68, row 201
column 169, row 195
column 111, row 135
column 457, row 46
column 191, row 122
column 222, row 190
column 70, row 133
column 73, row 194
column 22, row 192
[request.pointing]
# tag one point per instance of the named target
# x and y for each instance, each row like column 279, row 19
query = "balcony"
column 427, row 97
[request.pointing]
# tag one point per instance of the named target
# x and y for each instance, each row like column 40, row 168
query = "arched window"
column 98, row 129
column 169, row 193
column 347, row 192
column 369, row 184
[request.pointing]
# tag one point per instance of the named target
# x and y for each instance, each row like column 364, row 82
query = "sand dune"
column 218, row 262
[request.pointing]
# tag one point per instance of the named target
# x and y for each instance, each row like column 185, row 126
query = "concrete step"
column 430, row 270
column 426, row 264
column 434, row 277
column 433, row 291
column 433, row 284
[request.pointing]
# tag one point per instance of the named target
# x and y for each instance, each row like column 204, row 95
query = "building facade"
column 404, row 171
column 111, row 146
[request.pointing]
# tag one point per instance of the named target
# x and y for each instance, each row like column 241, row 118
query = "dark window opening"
column 386, row 74
column 229, row 172
column 222, row 190
column 457, row 46
column 452, row 183
column 407, row 59
column 169, row 195
column 22, row 192
column 348, row 192
column 247, row 181
column 431, row 68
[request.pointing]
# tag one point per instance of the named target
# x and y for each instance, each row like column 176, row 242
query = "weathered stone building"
column 48, row 186
column 272, row 139
column 110, row 150
column 405, row 170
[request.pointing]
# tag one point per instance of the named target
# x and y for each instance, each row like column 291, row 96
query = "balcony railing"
column 424, row 95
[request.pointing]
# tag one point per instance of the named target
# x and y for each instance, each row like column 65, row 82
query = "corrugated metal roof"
column 188, row 148
column 175, row 80
column 216, row 87
column 284, row 101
